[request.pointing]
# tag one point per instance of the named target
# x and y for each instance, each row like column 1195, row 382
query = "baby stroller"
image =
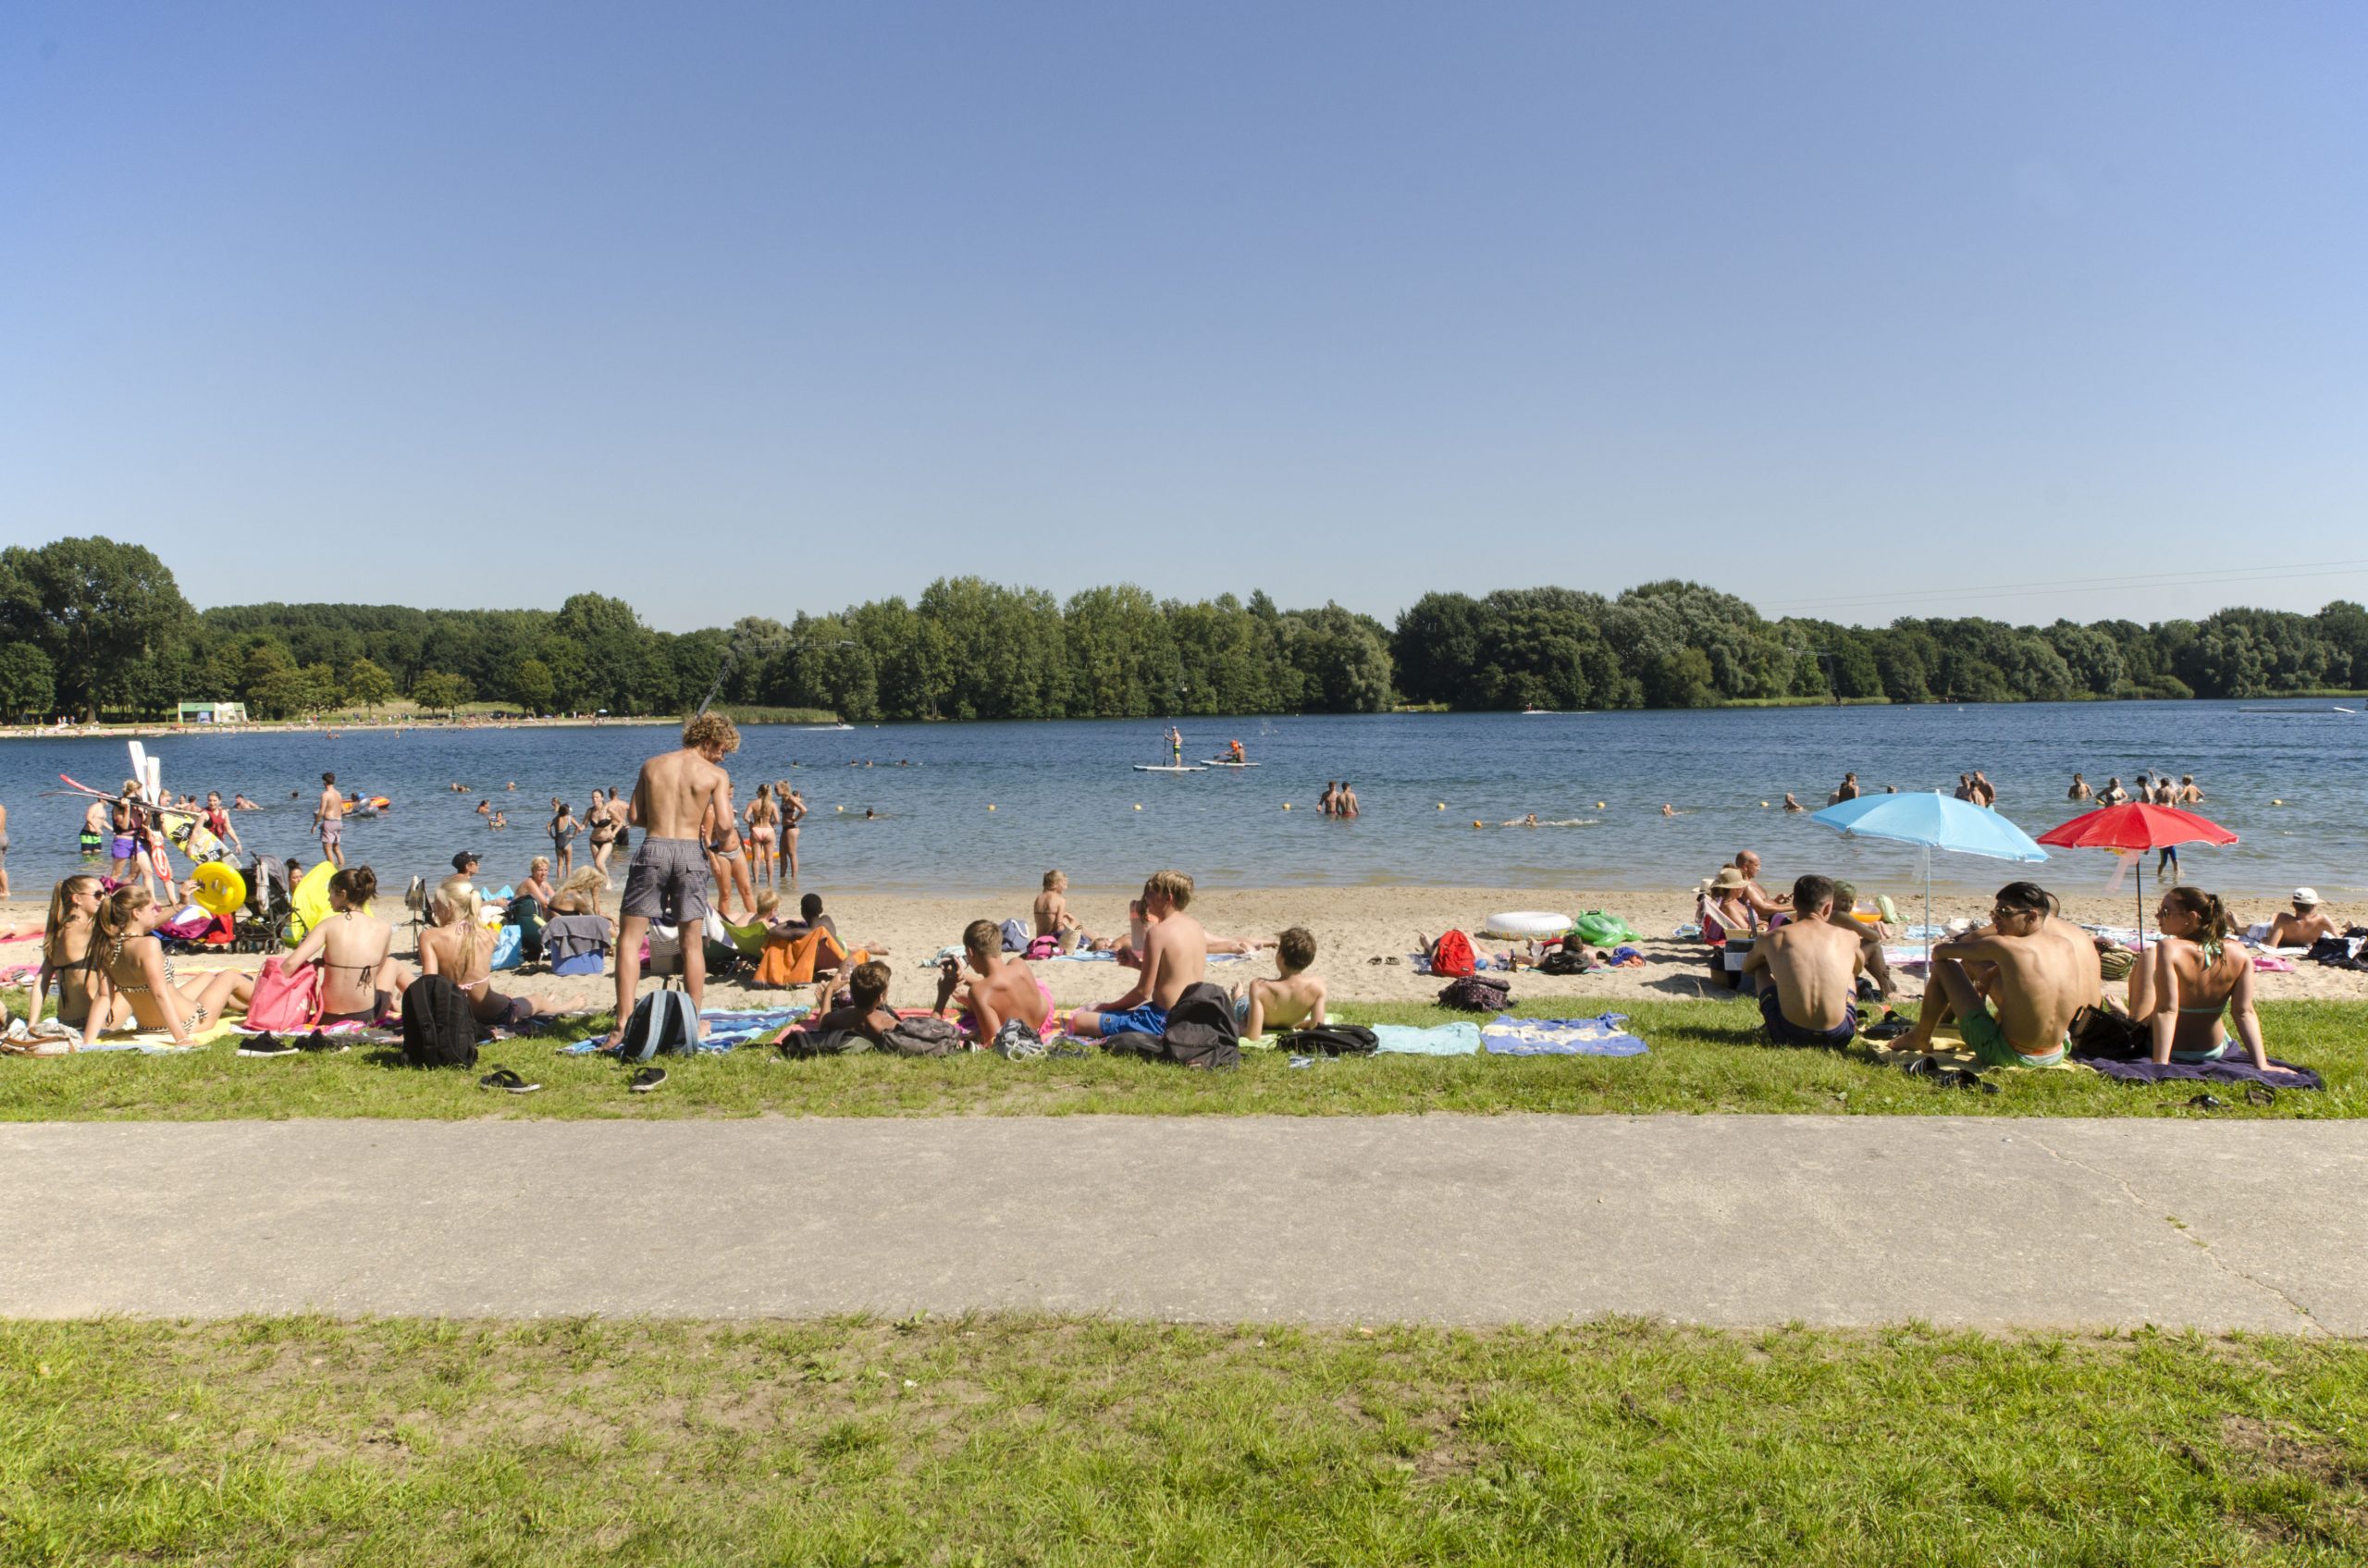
column 262, row 921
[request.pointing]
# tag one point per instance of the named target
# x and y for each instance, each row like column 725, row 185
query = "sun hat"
column 1729, row 877
column 2306, row 896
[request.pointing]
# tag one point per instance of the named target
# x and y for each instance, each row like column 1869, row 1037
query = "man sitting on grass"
column 993, row 990
column 1806, row 973
column 1175, row 955
column 1293, row 997
column 2038, row 968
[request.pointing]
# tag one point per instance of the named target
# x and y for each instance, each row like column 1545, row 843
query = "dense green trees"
column 87, row 624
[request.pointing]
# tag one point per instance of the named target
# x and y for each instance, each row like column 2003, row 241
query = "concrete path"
column 1737, row 1220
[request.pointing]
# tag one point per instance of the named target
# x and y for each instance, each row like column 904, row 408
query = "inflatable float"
column 1528, row 925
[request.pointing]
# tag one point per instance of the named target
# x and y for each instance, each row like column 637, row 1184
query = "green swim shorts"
column 1989, row 1042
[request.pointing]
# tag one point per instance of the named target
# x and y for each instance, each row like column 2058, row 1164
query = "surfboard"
column 1169, row 768
column 1222, row 762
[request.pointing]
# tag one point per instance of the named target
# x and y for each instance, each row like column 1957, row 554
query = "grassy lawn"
column 1036, row 1440
column 1704, row 1057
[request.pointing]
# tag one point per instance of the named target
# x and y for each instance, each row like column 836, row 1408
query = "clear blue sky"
column 748, row 309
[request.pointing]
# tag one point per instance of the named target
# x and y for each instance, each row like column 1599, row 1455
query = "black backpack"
column 1567, row 959
column 1472, row 994
column 661, row 1021
column 439, row 1029
column 1330, row 1040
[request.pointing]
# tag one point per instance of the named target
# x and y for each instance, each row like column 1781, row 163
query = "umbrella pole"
column 1928, row 916
column 2141, row 901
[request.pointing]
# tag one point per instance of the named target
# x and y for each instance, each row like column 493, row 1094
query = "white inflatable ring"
column 1525, row 923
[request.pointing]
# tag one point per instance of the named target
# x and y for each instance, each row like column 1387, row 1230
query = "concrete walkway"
column 1737, row 1220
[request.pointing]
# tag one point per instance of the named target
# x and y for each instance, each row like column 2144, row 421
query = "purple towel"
column 2228, row 1070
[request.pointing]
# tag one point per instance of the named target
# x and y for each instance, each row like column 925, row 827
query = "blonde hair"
column 711, row 729
column 539, row 864
column 459, row 898
column 584, row 885
column 1175, row 886
column 767, row 903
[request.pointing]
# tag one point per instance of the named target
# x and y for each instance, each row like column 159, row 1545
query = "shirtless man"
column 1175, row 955
column 1965, row 789
column 674, row 796
column 2079, row 790
column 1846, row 790
column 1807, row 972
column 2041, row 970
column 991, row 988
column 1345, row 803
column 2187, row 793
column 1792, row 805
column 1053, row 916
column 1176, row 744
column 328, row 821
column 1330, row 797
column 1752, row 894
column 1293, row 996
column 2306, row 924
column 1984, row 792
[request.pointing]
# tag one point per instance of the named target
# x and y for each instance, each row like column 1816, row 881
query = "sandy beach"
column 1365, row 936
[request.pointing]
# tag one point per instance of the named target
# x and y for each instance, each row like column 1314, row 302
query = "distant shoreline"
column 381, row 726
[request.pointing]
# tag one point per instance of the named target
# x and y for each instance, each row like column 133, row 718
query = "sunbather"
column 1175, row 956
column 360, row 976
column 1806, row 973
column 2192, row 978
column 2040, row 970
column 2305, row 924
column 1292, row 997
column 989, row 987
column 132, row 964
column 460, row 948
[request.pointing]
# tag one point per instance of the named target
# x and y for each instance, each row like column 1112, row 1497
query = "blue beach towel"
column 728, row 1030
column 1510, row 1036
column 1439, row 1040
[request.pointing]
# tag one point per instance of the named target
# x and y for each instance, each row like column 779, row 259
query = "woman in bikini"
column 604, row 832
column 564, row 827
column 793, row 811
column 727, row 860
column 360, row 979
column 2194, row 975
column 459, row 947
column 66, row 942
column 133, row 965
column 761, row 815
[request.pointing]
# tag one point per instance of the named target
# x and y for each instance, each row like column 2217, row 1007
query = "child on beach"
column 1292, row 997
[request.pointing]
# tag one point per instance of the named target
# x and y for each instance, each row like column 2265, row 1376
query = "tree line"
column 92, row 627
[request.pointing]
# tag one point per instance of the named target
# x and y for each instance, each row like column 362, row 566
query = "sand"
column 1358, row 930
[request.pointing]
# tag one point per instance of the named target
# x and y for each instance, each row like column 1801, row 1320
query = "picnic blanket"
column 1439, row 1040
column 1510, row 1036
column 2231, row 1070
column 726, row 1030
column 147, row 1042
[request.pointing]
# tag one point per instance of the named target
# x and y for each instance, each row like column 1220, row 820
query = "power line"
column 2087, row 585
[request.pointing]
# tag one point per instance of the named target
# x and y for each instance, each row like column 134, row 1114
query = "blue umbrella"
column 1933, row 821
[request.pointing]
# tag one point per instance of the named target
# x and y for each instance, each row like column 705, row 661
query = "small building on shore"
column 212, row 712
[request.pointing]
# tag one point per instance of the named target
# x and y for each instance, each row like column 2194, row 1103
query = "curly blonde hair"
column 711, row 729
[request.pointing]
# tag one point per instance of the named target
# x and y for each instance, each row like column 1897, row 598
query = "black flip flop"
column 2261, row 1094
column 2207, row 1103
column 646, row 1079
column 505, row 1078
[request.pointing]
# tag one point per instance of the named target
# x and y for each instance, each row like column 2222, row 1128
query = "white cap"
column 2306, row 896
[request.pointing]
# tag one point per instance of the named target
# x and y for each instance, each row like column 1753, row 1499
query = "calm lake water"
column 1064, row 794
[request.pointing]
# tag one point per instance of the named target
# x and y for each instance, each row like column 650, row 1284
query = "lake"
column 1064, row 794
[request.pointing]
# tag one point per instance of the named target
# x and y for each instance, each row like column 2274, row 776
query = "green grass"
column 1704, row 1057
column 1091, row 1442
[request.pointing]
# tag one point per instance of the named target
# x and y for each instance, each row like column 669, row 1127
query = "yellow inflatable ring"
column 217, row 888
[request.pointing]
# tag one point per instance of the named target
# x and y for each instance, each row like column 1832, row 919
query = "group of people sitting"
column 2012, row 988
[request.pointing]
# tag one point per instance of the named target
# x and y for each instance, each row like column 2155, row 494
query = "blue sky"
column 1863, row 308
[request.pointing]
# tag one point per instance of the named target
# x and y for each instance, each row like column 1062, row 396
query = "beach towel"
column 726, row 1030
column 1510, row 1036
column 1949, row 1050
column 2232, row 1070
column 1439, row 1040
column 147, row 1042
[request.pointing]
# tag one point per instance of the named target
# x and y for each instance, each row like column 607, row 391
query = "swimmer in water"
column 1667, row 810
column 1528, row 821
column 1792, row 805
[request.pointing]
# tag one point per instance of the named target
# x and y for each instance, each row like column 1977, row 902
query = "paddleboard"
column 1168, row 768
column 1223, row 762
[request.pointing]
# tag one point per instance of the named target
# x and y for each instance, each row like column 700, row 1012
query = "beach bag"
column 1042, row 947
column 1331, row 1040
column 508, row 948
column 923, row 1036
column 1015, row 937
column 1473, row 995
column 1201, row 1028
column 661, row 1021
column 1451, row 955
column 439, row 1029
column 1598, row 929
column 1569, row 958
column 2101, row 1031
column 800, row 1043
column 284, row 1001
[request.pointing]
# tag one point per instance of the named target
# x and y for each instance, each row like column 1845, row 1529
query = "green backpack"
column 1598, row 929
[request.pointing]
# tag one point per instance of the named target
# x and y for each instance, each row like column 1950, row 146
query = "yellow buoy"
column 2277, row 803
column 990, row 805
column 1763, row 806
column 1475, row 821
column 1287, row 805
column 1442, row 805
column 1138, row 805
column 841, row 807
column 1598, row 805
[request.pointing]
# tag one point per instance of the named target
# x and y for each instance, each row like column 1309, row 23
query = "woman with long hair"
column 793, row 811
column 604, row 832
column 726, row 859
column 69, row 940
column 133, row 965
column 564, row 827
column 360, row 976
column 762, row 815
column 2195, row 974
column 458, row 947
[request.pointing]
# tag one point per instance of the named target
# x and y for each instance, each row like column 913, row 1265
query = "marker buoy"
column 1442, row 805
column 1287, row 805
column 1138, row 805
column 1763, row 806
column 1598, row 805
column 2277, row 803
column 990, row 805
column 1475, row 821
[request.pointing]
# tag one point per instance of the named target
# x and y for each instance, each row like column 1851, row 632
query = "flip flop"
column 503, row 1078
column 2261, row 1094
column 2207, row 1102
column 646, row 1079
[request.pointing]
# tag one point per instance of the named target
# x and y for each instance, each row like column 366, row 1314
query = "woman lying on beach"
column 459, row 947
column 360, row 977
column 2194, row 975
column 67, row 943
column 133, row 965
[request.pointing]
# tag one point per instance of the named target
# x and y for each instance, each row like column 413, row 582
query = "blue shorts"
column 1783, row 1031
column 1149, row 1018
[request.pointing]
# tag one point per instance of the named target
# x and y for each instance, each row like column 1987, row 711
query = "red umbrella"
column 2136, row 825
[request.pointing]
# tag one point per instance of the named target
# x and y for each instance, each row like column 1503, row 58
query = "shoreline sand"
column 1353, row 927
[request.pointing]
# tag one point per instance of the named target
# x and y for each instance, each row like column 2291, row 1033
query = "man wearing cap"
column 2306, row 924
column 465, row 864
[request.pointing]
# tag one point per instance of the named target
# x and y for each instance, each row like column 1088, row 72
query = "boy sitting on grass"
column 1293, row 997
column 866, row 1014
